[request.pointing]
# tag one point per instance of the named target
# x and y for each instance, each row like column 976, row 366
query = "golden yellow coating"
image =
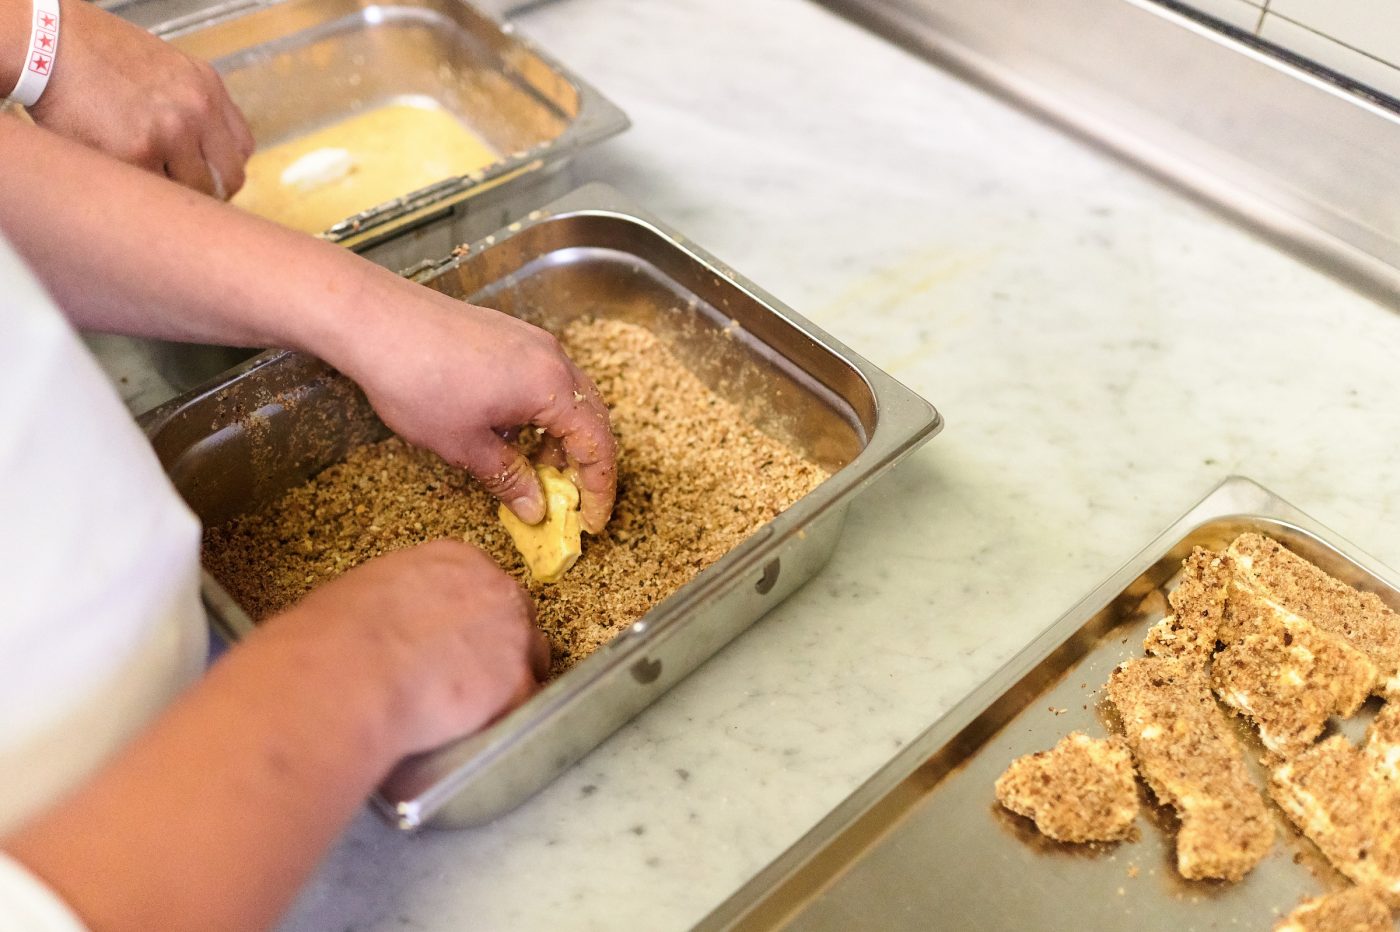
column 551, row 547
column 314, row 181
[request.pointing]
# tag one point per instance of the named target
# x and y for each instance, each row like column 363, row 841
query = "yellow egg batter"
column 550, row 547
column 314, row 181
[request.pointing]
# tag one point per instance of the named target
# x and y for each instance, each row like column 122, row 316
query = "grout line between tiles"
column 1334, row 41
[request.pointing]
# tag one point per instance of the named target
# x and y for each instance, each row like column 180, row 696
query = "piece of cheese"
column 314, row 180
column 317, row 169
column 550, row 547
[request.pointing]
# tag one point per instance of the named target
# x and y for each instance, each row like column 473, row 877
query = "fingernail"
column 527, row 509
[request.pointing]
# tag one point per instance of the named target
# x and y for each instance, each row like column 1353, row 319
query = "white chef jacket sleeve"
column 28, row 905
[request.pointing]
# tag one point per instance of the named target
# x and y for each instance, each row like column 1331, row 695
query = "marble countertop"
column 1104, row 352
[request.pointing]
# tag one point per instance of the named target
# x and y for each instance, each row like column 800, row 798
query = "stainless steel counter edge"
column 1279, row 144
column 1234, row 496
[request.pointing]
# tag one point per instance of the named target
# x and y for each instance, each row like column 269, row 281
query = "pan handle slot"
column 769, row 579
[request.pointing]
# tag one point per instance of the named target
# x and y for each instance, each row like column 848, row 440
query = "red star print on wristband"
column 46, row 21
column 40, row 64
column 45, row 42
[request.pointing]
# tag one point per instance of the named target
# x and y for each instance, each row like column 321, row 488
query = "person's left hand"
column 118, row 89
column 457, row 379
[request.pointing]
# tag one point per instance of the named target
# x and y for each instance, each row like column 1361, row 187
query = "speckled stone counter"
column 1103, row 350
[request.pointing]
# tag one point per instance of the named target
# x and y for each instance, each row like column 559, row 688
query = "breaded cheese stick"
column 1198, row 603
column 1083, row 789
column 1351, row 910
column 1284, row 672
column 1185, row 751
column 1366, row 622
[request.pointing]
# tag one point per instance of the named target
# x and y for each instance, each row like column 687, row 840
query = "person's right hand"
column 119, row 89
column 453, row 377
column 449, row 639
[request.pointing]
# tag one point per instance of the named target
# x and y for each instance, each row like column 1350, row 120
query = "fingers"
column 237, row 124
column 239, row 139
column 202, row 137
column 224, row 139
column 224, row 160
column 583, row 428
column 539, row 658
column 551, row 453
column 185, row 164
column 540, row 655
column 507, row 475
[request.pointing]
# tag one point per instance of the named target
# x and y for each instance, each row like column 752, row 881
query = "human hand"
column 457, row 379
column 444, row 374
column 449, row 639
column 119, row 89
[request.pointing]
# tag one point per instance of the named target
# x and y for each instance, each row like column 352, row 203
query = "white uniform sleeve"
column 28, row 905
column 101, row 626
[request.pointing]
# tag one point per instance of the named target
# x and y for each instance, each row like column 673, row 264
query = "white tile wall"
column 1243, row 14
column 1370, row 26
column 1325, row 51
column 1358, row 38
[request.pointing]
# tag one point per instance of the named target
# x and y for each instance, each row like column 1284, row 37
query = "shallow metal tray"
column 923, row 843
column 339, row 57
column 282, row 417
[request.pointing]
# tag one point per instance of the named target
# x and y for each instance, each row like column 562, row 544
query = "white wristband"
column 38, row 61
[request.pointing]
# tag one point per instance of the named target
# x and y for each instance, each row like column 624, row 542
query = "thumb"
column 507, row 475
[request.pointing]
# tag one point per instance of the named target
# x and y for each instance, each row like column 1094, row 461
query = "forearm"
column 216, row 815
column 127, row 252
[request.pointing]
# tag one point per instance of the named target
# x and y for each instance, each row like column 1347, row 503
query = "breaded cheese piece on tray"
column 1081, row 790
column 1186, row 752
column 1285, row 672
column 1366, row 622
column 1336, row 795
column 1198, row 603
column 1383, row 743
column 1351, row 910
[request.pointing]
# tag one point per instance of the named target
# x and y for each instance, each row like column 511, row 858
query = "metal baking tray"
column 282, row 417
column 923, row 843
column 344, row 56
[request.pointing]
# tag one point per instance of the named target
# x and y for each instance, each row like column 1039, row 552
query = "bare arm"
column 131, row 253
column 215, row 817
column 125, row 252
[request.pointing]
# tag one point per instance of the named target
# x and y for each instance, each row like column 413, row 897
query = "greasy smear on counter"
column 694, row 479
column 314, row 181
